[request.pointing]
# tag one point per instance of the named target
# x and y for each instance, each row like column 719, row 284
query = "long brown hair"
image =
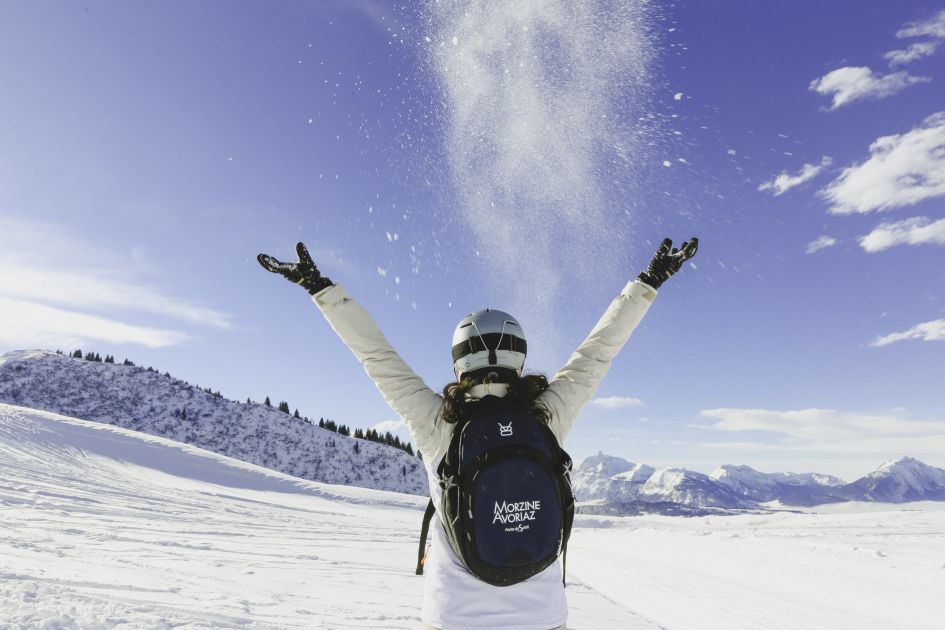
column 523, row 389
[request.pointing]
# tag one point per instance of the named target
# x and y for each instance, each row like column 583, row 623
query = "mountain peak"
column 606, row 465
column 902, row 461
column 900, row 480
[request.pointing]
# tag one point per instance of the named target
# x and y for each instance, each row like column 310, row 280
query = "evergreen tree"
column 409, row 449
column 296, row 415
column 321, row 423
column 110, row 359
column 77, row 354
column 284, row 407
column 267, row 402
column 125, row 362
column 357, row 449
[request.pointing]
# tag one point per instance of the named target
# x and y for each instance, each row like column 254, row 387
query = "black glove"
column 667, row 261
column 303, row 272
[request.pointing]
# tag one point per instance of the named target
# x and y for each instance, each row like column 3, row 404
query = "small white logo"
column 505, row 430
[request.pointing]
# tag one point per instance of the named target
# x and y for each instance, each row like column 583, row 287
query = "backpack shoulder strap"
column 424, row 529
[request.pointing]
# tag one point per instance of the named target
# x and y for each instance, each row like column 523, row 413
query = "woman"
column 488, row 357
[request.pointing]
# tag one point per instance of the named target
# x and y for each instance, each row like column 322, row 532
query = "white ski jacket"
column 453, row 597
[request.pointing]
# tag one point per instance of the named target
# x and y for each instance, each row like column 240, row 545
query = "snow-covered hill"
column 904, row 479
column 108, row 529
column 143, row 400
column 788, row 488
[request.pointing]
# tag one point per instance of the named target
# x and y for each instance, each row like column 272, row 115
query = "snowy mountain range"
column 604, row 484
column 144, row 400
column 788, row 488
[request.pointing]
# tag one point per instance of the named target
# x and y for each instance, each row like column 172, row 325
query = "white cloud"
column 617, row 402
column 25, row 324
column 926, row 331
column 901, row 170
column 59, row 290
column 87, row 289
column 850, row 84
column 914, row 231
column 826, row 429
column 390, row 425
column 821, row 242
column 932, row 27
column 397, row 428
column 785, row 182
column 838, row 441
column 924, row 447
column 917, row 50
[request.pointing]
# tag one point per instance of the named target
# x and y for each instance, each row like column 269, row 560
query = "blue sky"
column 438, row 161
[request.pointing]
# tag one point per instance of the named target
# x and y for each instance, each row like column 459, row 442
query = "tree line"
column 371, row 435
column 95, row 356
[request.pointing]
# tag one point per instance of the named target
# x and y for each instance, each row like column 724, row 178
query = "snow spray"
column 539, row 101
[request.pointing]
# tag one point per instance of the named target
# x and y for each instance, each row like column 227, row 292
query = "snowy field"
column 105, row 528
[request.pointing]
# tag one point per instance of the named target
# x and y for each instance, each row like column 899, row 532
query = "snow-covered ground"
column 101, row 527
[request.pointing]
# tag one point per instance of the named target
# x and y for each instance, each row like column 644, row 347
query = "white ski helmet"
column 488, row 338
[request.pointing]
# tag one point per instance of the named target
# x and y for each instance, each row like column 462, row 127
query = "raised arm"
column 403, row 390
column 575, row 384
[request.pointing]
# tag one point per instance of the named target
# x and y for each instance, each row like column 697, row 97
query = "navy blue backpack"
column 507, row 504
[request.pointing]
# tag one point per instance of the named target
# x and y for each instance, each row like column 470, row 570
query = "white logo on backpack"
column 515, row 512
column 505, row 430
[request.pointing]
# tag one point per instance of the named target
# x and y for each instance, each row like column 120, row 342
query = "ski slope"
column 101, row 527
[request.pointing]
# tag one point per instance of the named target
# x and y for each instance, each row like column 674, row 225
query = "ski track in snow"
column 104, row 528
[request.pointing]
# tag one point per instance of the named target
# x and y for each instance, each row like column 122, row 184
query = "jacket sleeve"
column 403, row 390
column 575, row 383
